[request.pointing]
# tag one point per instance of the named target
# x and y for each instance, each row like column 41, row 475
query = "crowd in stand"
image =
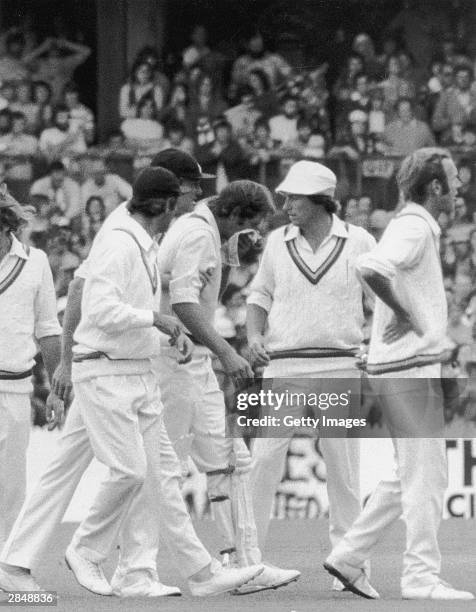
column 246, row 117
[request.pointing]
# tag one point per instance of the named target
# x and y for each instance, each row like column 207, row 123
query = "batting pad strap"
column 228, row 470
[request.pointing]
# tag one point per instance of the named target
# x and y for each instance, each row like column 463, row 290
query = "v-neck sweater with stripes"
column 309, row 307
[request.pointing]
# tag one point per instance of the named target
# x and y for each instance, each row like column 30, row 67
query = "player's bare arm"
column 402, row 322
column 256, row 318
column 193, row 317
column 61, row 384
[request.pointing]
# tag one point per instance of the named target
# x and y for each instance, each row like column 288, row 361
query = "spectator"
column 359, row 99
column 144, row 133
column 409, row 72
column 389, row 48
column 7, row 94
column 18, row 142
column 81, row 118
column 150, row 55
column 58, row 141
column 364, row 205
column 376, row 114
column 263, row 155
column 42, row 98
column 13, row 65
column 284, row 126
column 39, row 223
column 110, row 188
column 176, row 138
column 94, row 215
column 435, row 84
column 61, row 191
column 62, row 261
column 139, row 87
column 206, row 102
column 25, row 105
column 177, row 110
column 243, row 117
column 345, row 82
column 265, row 98
column 456, row 106
column 447, row 76
column 364, row 46
column 354, row 142
column 350, row 210
column 224, row 158
column 406, row 134
column 198, row 50
column 257, row 57
column 394, row 86
column 55, row 62
column 307, row 145
column 467, row 189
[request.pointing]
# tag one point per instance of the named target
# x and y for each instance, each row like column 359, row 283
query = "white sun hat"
column 308, row 178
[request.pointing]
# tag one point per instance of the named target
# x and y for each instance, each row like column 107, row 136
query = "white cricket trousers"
column 416, row 491
column 44, row 510
column 341, row 455
column 15, row 419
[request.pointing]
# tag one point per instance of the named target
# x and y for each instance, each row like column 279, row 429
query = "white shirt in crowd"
column 313, row 299
column 113, row 192
column 67, row 197
column 27, row 312
column 283, row 128
column 408, row 255
column 118, row 301
column 192, row 245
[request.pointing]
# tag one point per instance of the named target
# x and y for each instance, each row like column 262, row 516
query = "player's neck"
column 150, row 224
column 317, row 229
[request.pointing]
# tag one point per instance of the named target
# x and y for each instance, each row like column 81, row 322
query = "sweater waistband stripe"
column 406, row 364
column 312, row 353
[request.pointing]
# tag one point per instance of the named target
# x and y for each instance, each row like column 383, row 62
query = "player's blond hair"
column 419, row 168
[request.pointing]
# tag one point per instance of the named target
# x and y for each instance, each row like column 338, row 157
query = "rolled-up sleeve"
column 46, row 319
column 262, row 286
column 103, row 294
column 401, row 247
column 195, row 254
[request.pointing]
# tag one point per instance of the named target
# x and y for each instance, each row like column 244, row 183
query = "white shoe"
column 337, row 585
column 271, row 578
column 440, row 590
column 353, row 578
column 224, row 579
column 88, row 574
column 147, row 584
column 17, row 579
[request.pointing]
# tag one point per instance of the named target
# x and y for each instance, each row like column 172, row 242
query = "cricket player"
column 194, row 403
column 407, row 345
column 116, row 415
column 305, row 321
column 27, row 317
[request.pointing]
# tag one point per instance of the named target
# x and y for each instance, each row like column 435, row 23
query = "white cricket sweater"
column 312, row 308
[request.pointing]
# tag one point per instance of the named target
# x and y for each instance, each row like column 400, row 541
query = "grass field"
column 293, row 544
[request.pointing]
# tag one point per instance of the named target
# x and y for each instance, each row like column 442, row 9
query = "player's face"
column 448, row 200
column 300, row 209
column 190, row 192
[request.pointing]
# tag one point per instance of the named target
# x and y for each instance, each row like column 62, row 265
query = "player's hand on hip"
column 61, row 383
column 237, row 368
column 168, row 325
column 259, row 355
column 184, row 346
column 399, row 326
column 55, row 413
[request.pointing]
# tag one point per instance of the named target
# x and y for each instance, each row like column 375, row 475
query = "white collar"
column 338, row 228
column 417, row 209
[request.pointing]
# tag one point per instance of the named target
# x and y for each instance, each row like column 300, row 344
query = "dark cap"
column 181, row 164
column 155, row 183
